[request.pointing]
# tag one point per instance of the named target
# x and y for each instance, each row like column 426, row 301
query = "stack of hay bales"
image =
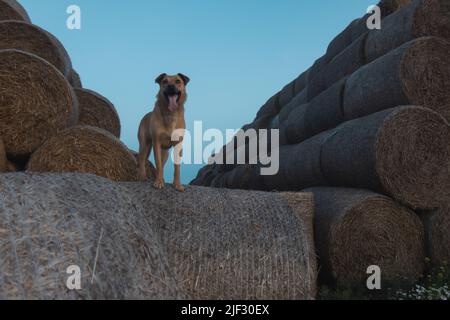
column 371, row 114
column 41, row 100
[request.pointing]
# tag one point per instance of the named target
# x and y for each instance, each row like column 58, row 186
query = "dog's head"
column 172, row 90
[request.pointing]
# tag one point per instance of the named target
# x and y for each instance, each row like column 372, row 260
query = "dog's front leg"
column 159, row 181
column 177, row 175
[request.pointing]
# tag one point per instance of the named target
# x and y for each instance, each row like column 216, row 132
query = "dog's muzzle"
column 173, row 97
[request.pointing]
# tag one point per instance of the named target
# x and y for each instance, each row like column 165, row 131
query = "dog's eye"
column 178, row 81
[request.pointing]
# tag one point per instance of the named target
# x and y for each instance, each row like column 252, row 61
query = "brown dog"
column 157, row 128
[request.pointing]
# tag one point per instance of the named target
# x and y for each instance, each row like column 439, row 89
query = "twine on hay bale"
column 85, row 149
column 36, row 102
column 74, row 79
column 52, row 221
column 12, row 10
column 97, row 111
column 229, row 244
column 437, row 226
column 355, row 229
column 419, row 19
column 417, row 73
column 30, row 38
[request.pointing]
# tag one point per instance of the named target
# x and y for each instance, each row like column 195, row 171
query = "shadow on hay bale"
column 437, row 226
column 52, row 221
column 74, row 79
column 355, row 229
column 30, row 38
column 85, row 149
column 97, row 111
column 150, row 169
column 36, row 102
column 12, row 10
column 230, row 244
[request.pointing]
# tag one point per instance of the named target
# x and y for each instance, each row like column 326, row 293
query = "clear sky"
column 237, row 53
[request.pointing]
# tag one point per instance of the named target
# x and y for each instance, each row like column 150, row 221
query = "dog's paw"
column 179, row 187
column 143, row 177
column 159, row 184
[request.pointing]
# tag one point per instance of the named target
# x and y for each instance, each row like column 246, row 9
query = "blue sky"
column 237, row 53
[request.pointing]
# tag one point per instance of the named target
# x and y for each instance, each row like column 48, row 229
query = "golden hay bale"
column 231, row 244
column 355, row 229
column 36, row 102
column 53, row 221
column 150, row 169
column 30, row 38
column 85, row 149
column 74, row 79
column 437, row 226
column 12, row 10
column 97, row 111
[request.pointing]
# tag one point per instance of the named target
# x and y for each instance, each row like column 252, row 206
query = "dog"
column 158, row 128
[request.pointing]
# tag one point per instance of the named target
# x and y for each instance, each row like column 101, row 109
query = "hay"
column 49, row 222
column 36, row 102
column 85, row 149
column 286, row 94
column 30, row 38
column 298, row 100
column 97, row 111
column 3, row 159
column 74, row 79
column 301, row 82
column 389, row 7
column 344, row 64
column 403, row 152
column 416, row 73
column 421, row 18
column 12, row 10
column 322, row 113
column 437, row 226
column 270, row 108
column 235, row 245
column 355, row 229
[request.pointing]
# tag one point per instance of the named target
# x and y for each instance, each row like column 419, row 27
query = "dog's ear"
column 185, row 78
column 160, row 78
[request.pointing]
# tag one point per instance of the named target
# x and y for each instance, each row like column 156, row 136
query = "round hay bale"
column 85, row 149
column 97, row 111
column 355, row 229
column 12, row 10
column 286, row 94
column 298, row 100
column 270, row 108
column 36, row 102
column 301, row 82
column 417, row 73
column 437, row 226
column 74, row 79
column 233, row 245
column 30, row 38
column 50, row 222
column 419, row 19
column 149, row 167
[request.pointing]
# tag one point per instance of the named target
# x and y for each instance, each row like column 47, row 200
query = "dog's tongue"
column 173, row 104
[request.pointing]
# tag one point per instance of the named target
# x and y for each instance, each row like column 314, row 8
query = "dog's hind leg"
column 145, row 148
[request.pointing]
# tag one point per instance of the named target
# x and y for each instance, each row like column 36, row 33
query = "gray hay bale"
column 301, row 82
column 50, row 222
column 30, row 38
column 270, row 108
column 437, row 226
column 317, row 67
column 344, row 64
column 417, row 73
column 230, row 244
column 355, row 229
column 74, row 79
column 322, row 113
column 12, row 10
column 403, row 152
column 286, row 94
column 298, row 100
column 419, row 19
